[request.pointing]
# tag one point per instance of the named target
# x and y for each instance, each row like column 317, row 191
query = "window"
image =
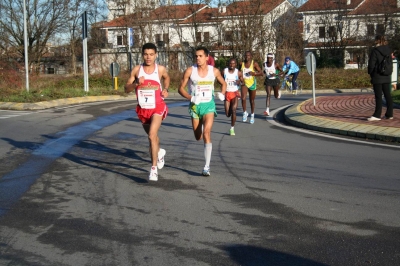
column 370, row 30
column 308, row 28
column 157, row 37
column 321, row 32
column 198, row 36
column 121, row 40
column 228, row 36
column 166, row 37
column 206, row 36
column 237, row 35
column 332, row 31
column 380, row 29
column 136, row 40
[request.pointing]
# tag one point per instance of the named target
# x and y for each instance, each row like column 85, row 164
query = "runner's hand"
column 220, row 96
column 196, row 100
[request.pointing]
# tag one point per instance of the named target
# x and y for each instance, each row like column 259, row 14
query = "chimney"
column 222, row 8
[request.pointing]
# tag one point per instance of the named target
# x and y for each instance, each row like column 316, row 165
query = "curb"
column 294, row 116
column 62, row 102
column 87, row 99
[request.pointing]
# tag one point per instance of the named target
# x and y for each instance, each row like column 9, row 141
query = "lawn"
column 50, row 87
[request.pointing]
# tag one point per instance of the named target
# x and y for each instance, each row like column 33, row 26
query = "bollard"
column 115, row 83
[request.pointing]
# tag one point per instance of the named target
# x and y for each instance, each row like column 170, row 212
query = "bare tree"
column 44, row 19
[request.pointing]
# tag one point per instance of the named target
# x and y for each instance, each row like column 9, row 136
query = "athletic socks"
column 207, row 153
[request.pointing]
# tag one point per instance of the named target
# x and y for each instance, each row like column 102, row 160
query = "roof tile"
column 319, row 5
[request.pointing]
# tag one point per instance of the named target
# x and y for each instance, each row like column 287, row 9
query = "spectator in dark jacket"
column 380, row 83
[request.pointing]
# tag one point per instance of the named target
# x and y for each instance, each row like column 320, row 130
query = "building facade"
column 341, row 32
column 226, row 30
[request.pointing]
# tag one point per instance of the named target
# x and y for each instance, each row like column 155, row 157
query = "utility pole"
column 26, row 50
column 85, row 53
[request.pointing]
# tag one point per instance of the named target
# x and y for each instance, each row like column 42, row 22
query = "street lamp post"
column 26, row 50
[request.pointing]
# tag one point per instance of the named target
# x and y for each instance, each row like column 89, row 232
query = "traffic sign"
column 311, row 63
column 114, row 69
column 130, row 37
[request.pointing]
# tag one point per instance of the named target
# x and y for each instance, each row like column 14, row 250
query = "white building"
column 227, row 30
column 344, row 29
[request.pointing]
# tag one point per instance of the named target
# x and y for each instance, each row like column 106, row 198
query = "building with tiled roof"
column 227, row 30
column 342, row 31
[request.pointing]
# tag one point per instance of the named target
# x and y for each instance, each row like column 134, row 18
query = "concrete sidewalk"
column 345, row 115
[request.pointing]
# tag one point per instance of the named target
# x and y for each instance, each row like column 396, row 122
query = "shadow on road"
column 247, row 255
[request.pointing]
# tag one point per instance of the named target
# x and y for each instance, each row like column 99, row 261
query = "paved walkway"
column 345, row 115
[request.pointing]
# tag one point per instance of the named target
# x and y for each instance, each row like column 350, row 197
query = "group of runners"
column 145, row 80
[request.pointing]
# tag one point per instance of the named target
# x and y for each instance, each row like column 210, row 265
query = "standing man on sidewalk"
column 200, row 93
column 380, row 81
column 233, row 78
column 250, row 70
column 145, row 79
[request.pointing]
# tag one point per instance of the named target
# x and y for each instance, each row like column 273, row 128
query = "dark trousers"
column 386, row 89
column 294, row 77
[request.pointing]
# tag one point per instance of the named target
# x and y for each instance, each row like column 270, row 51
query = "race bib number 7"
column 146, row 93
column 147, row 99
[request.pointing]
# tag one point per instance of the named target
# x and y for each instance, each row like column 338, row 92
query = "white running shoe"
column 206, row 171
column 245, row 114
column 279, row 94
column 160, row 161
column 153, row 174
column 373, row 118
column 252, row 119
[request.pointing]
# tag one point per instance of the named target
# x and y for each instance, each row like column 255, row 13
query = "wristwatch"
column 166, row 89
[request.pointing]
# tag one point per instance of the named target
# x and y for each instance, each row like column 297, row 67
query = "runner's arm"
column 240, row 74
column 258, row 71
column 220, row 79
column 130, row 83
column 278, row 67
column 166, row 81
column 182, row 91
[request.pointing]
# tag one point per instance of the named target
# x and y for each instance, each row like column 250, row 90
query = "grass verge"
column 51, row 87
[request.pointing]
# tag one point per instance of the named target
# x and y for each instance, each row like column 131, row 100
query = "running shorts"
column 198, row 111
column 145, row 115
column 254, row 86
column 272, row 82
column 229, row 95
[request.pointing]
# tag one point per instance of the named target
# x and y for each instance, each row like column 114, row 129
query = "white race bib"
column 204, row 91
column 147, row 99
column 246, row 73
column 231, row 85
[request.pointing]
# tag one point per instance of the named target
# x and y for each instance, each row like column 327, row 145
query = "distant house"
column 227, row 30
column 341, row 32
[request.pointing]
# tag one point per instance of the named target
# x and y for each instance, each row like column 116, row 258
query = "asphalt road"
column 74, row 191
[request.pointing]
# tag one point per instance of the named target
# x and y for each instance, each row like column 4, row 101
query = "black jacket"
column 374, row 59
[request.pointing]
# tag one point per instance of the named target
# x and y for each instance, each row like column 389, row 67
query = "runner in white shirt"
column 271, row 70
column 233, row 78
column 200, row 93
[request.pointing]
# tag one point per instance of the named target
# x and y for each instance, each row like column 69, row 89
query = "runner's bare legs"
column 154, row 142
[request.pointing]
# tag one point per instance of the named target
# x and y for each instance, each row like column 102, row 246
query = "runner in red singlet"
column 145, row 79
